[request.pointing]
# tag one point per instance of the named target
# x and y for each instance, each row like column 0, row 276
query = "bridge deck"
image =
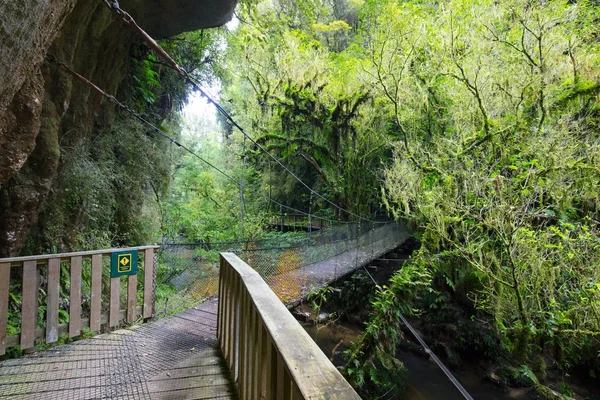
column 173, row 358
column 294, row 285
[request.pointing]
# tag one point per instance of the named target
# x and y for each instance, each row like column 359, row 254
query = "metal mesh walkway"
column 173, row 358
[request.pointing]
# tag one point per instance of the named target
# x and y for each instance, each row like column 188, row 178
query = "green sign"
column 123, row 263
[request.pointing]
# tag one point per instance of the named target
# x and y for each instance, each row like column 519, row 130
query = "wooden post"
column 52, row 300
column 29, row 304
column 115, row 301
column 96, row 306
column 131, row 298
column 75, row 298
column 149, row 268
column 4, row 288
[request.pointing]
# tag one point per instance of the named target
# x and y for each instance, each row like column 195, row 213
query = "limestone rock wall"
column 42, row 110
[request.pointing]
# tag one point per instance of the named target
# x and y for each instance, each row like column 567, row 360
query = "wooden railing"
column 270, row 355
column 34, row 274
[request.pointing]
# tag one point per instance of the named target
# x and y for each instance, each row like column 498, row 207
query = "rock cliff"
column 43, row 111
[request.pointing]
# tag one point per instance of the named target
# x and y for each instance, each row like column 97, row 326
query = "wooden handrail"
column 42, row 258
column 271, row 356
column 30, row 287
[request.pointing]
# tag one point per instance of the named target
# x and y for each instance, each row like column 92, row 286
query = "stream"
column 425, row 379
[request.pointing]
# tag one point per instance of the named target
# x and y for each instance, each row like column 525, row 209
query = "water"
column 425, row 379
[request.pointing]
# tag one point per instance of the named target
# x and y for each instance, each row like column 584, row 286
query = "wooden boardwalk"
column 174, row 358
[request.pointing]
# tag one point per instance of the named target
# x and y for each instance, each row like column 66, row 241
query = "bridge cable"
column 435, row 358
column 160, row 132
column 128, row 20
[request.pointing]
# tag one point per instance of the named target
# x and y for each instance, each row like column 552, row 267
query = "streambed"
column 425, row 379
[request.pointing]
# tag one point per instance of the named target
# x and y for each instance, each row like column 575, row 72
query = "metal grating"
column 176, row 357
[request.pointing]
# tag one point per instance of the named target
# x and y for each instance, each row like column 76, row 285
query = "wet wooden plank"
column 206, row 331
column 29, row 304
column 75, row 297
column 210, row 392
column 96, row 293
column 148, row 283
column 191, row 371
column 199, row 318
column 205, row 358
column 196, row 382
column 52, row 300
column 11, row 375
column 4, row 288
column 131, row 298
column 115, row 301
column 204, row 315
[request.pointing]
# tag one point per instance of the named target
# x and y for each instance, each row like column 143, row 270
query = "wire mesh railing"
column 292, row 264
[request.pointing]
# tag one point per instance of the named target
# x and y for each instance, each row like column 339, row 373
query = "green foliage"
column 293, row 80
column 319, row 296
column 108, row 196
column 206, row 206
column 146, row 81
column 494, row 107
column 371, row 365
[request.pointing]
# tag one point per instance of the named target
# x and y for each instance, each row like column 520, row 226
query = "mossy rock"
column 544, row 392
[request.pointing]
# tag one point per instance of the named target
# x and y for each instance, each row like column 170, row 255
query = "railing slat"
column 148, row 283
column 296, row 394
column 232, row 339
column 261, row 384
column 243, row 346
column 280, row 377
column 236, row 326
column 29, row 304
column 220, row 306
column 75, row 298
column 254, row 354
column 52, row 300
column 96, row 290
column 224, row 318
column 131, row 298
column 247, row 345
column 115, row 301
column 272, row 369
column 4, row 289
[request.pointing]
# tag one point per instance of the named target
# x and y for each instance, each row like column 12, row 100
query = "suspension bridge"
column 235, row 339
column 182, row 320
